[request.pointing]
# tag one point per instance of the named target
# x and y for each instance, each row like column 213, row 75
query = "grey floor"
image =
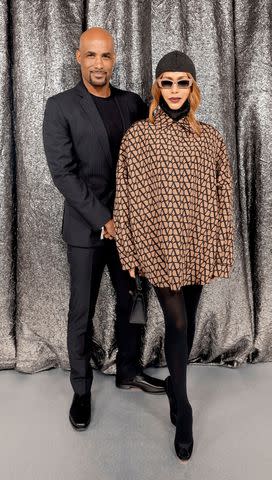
column 130, row 436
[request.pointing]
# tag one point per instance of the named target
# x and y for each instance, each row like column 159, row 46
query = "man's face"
column 96, row 58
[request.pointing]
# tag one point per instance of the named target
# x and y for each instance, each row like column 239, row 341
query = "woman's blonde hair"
column 194, row 99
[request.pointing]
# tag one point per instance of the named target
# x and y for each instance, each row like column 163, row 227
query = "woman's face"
column 175, row 96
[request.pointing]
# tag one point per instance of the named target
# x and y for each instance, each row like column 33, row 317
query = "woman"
column 173, row 215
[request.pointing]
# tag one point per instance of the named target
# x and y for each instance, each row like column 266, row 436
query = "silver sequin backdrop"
column 230, row 43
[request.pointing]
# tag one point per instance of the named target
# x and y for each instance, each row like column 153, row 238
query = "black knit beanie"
column 175, row 61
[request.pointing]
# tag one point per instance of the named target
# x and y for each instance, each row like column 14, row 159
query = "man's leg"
column 129, row 371
column 128, row 336
column 86, row 269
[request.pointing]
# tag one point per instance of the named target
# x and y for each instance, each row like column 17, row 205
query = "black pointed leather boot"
column 184, row 434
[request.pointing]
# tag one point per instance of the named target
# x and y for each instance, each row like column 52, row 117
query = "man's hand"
column 109, row 230
column 132, row 272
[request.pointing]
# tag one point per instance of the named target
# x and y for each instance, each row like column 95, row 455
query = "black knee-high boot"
column 176, row 353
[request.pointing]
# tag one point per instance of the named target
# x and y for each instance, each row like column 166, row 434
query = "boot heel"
column 184, row 433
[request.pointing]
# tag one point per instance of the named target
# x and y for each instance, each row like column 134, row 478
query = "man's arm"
column 64, row 168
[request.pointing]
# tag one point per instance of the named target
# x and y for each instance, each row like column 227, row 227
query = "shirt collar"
column 162, row 120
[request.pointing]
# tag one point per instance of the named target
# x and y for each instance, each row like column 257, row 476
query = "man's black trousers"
column 86, row 269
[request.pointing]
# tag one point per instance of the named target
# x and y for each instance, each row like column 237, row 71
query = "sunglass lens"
column 166, row 83
column 183, row 83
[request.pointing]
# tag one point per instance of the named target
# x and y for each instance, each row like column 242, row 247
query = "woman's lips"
column 174, row 100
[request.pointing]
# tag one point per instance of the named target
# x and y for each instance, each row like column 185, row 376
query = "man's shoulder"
column 72, row 92
column 64, row 95
column 126, row 93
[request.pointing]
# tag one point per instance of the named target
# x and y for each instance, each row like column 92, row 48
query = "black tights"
column 191, row 294
column 179, row 309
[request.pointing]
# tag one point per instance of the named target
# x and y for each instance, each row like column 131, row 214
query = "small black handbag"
column 138, row 310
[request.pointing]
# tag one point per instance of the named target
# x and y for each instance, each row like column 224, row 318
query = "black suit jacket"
column 78, row 154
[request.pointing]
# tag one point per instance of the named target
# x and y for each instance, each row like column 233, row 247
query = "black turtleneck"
column 175, row 114
column 111, row 117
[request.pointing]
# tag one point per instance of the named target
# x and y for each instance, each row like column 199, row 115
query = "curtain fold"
column 253, row 40
column 45, row 36
column 230, row 44
column 7, row 212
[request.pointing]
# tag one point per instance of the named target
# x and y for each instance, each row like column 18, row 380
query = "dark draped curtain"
column 230, row 43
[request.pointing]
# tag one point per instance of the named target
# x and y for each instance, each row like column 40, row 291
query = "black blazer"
column 78, row 154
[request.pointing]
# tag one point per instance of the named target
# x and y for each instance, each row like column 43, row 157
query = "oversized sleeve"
column 225, row 225
column 121, row 211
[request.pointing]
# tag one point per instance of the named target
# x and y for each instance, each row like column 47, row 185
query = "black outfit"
column 112, row 120
column 79, row 157
column 86, row 269
column 81, row 136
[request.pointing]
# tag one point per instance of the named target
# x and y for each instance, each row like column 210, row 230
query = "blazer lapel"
column 96, row 121
column 123, row 108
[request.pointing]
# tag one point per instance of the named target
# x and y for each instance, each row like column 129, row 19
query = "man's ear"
column 114, row 60
column 78, row 59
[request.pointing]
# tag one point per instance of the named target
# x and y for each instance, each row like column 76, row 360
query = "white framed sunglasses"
column 182, row 83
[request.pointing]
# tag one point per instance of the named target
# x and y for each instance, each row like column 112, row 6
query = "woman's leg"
column 176, row 353
column 191, row 297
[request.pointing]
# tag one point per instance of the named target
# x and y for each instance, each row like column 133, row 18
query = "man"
column 82, row 132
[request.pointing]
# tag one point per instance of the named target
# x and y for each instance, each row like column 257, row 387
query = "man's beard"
column 97, row 83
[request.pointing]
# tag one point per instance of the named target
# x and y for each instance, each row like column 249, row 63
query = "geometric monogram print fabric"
column 173, row 208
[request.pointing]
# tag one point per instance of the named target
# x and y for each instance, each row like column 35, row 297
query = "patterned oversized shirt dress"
column 173, row 210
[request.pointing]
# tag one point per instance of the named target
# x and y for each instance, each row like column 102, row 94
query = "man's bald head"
column 96, row 57
column 96, row 34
